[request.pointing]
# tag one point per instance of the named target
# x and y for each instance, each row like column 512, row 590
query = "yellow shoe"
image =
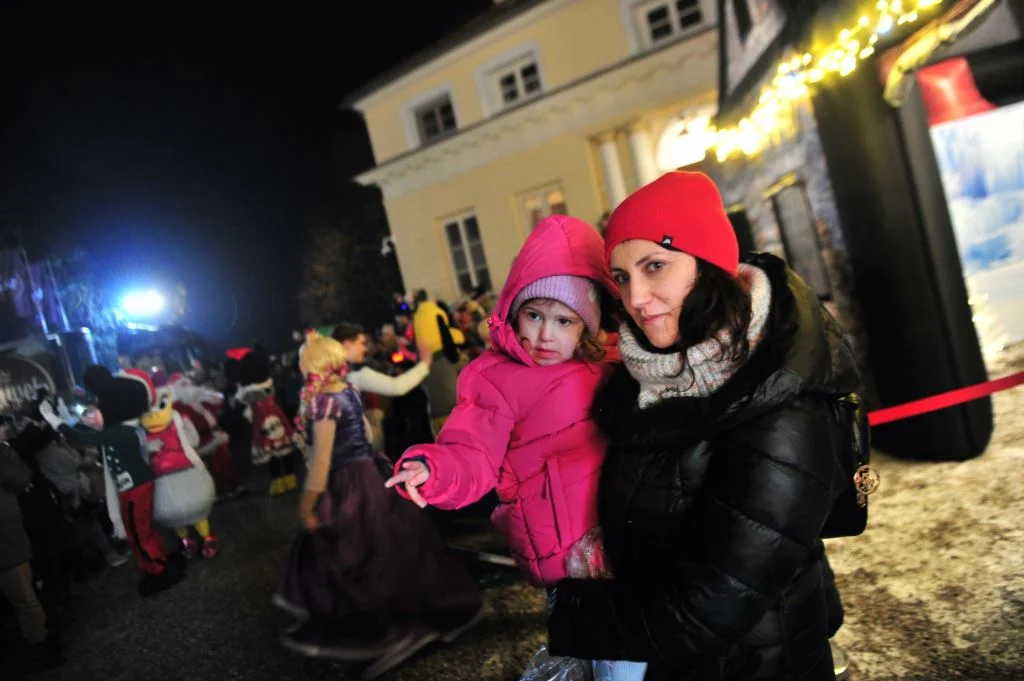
column 290, row 482
column 277, row 487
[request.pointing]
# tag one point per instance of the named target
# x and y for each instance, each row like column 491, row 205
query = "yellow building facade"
column 559, row 106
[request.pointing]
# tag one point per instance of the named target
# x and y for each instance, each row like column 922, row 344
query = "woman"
column 726, row 427
column 369, row 578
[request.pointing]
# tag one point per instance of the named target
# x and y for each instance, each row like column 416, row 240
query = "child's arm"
column 464, row 462
column 324, row 432
column 324, row 413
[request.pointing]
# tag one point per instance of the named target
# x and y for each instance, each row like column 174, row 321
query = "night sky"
column 194, row 145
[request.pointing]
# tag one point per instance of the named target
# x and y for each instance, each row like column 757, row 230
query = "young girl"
column 522, row 422
column 369, row 577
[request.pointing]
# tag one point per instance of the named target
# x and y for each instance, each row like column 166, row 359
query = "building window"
column 800, row 237
column 435, row 119
column 741, row 225
column 663, row 20
column 744, row 22
column 467, row 252
column 516, row 82
column 540, row 203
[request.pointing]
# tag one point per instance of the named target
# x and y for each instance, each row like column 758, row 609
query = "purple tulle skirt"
column 376, row 558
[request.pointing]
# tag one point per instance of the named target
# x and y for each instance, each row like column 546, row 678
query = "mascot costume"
column 201, row 407
column 130, row 482
column 272, row 435
column 183, row 491
column 433, row 331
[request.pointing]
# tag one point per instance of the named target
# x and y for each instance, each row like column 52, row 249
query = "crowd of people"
column 665, row 425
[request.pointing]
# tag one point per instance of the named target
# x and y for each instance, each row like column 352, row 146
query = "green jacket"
column 124, row 452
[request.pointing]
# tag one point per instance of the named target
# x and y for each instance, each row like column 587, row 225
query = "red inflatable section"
column 949, row 91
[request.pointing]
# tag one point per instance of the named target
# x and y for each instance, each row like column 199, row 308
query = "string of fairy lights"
column 794, row 77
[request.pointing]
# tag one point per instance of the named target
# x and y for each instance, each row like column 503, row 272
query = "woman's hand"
column 413, row 475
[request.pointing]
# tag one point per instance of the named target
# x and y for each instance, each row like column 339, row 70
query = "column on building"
column 641, row 149
column 612, row 169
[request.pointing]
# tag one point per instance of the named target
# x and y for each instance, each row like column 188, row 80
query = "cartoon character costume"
column 130, row 481
column 183, row 490
column 433, row 331
column 273, row 439
column 201, row 407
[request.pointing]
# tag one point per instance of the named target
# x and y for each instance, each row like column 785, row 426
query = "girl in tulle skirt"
column 368, row 578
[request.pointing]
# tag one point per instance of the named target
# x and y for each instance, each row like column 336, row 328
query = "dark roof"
column 498, row 14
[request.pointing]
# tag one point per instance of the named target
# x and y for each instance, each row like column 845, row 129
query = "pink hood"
column 558, row 245
column 525, row 430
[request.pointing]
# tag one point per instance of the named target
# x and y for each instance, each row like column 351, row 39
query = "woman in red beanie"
column 727, row 427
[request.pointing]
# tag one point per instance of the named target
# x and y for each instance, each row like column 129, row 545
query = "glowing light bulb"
column 779, row 100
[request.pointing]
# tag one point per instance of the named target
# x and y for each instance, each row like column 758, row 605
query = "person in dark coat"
column 726, row 431
column 16, row 581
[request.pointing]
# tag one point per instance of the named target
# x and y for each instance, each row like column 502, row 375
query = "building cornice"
column 432, row 67
column 617, row 94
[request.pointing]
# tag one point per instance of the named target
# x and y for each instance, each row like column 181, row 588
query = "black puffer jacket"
column 712, row 509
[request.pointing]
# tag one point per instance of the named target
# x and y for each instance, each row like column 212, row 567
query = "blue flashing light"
column 142, row 304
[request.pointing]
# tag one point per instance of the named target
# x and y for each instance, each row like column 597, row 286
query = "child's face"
column 549, row 331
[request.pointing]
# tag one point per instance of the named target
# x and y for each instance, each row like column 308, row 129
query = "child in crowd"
column 369, row 578
column 522, row 422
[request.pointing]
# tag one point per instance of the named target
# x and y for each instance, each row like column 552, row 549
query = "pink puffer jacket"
column 524, row 429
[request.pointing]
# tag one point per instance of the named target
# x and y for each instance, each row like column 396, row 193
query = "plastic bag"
column 544, row 667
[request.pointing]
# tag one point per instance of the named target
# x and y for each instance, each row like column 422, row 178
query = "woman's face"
column 654, row 282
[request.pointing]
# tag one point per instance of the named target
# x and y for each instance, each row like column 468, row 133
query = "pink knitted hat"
column 578, row 293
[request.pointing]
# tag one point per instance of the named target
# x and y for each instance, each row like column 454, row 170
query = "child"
column 522, row 422
column 369, row 578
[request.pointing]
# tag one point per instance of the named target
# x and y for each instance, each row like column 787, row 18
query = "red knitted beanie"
column 680, row 210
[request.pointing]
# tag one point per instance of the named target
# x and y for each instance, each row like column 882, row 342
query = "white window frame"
column 634, row 17
column 461, row 219
column 411, row 108
column 488, row 76
column 542, row 194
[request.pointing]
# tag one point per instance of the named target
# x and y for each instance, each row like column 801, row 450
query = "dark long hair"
column 717, row 303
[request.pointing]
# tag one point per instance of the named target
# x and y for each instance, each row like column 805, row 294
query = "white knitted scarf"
column 661, row 376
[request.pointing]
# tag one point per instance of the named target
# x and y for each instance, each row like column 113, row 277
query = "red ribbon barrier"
column 944, row 400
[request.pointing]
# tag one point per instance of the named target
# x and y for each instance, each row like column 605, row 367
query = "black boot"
column 173, row 573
